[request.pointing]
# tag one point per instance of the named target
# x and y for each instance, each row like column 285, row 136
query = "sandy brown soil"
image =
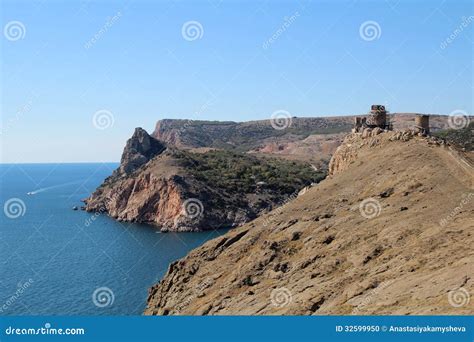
column 389, row 232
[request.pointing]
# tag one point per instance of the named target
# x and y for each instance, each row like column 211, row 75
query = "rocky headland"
column 179, row 190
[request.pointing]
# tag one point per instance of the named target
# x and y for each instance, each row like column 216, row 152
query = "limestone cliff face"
column 390, row 232
column 149, row 187
column 145, row 195
column 170, row 131
column 144, row 198
column 172, row 203
column 347, row 153
column 140, row 149
column 344, row 155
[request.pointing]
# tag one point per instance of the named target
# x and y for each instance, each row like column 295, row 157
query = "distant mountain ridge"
column 244, row 136
column 312, row 140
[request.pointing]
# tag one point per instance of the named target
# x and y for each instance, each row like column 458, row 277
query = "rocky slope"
column 184, row 191
column 389, row 232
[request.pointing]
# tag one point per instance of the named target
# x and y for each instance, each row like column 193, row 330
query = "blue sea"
column 58, row 261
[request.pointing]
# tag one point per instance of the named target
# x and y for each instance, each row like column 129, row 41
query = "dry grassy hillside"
column 389, row 232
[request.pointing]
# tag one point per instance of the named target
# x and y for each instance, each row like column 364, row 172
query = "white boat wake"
column 52, row 187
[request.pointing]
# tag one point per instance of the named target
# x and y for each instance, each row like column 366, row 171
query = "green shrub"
column 241, row 173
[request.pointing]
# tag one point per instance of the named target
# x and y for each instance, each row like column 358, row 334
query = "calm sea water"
column 56, row 261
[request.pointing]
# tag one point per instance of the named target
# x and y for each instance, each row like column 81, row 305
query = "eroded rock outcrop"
column 348, row 152
column 139, row 150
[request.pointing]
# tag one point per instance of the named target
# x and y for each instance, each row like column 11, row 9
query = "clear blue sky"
column 141, row 69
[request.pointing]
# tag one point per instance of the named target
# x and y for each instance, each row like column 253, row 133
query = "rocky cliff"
column 389, row 232
column 185, row 191
column 140, row 149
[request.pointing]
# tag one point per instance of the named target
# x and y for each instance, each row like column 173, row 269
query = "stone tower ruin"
column 422, row 124
column 377, row 117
